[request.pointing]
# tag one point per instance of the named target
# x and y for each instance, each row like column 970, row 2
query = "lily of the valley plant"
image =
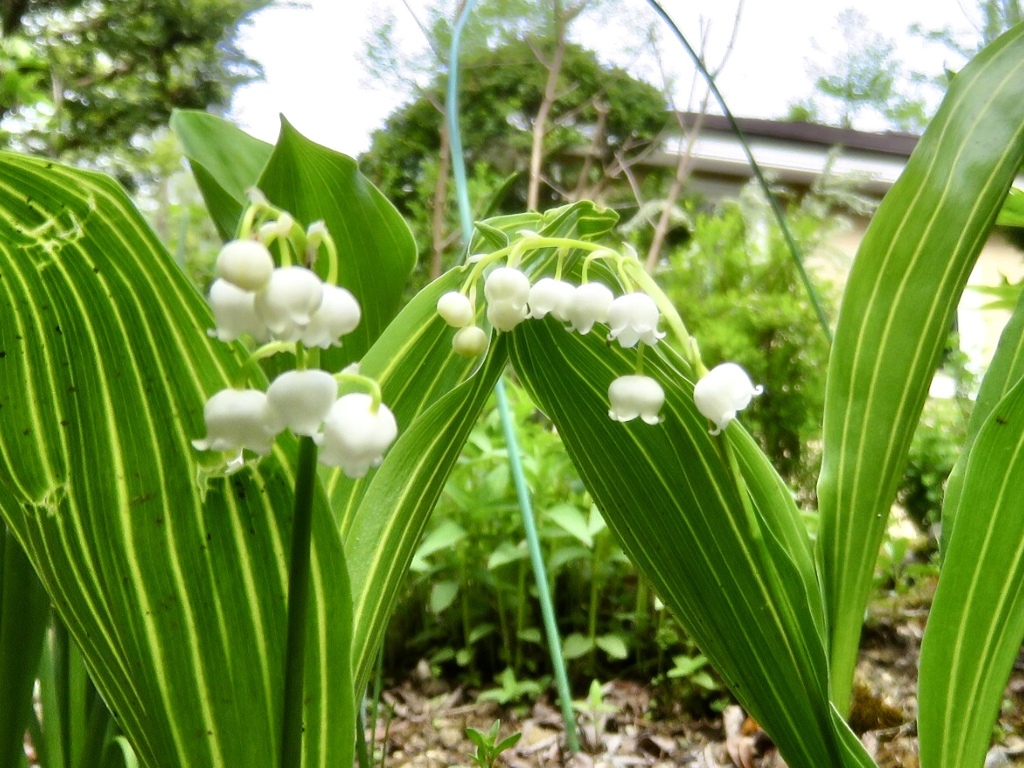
column 176, row 577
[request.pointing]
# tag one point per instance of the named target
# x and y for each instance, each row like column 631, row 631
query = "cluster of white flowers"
column 290, row 304
column 511, row 299
column 252, row 296
column 632, row 319
column 351, row 433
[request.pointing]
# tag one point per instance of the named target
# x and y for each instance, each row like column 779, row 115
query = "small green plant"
column 488, row 748
column 511, row 690
column 594, row 712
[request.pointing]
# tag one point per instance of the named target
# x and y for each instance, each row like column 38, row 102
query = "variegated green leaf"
column 1005, row 370
column 976, row 622
column 172, row 585
column 436, row 397
column 741, row 583
column 896, row 312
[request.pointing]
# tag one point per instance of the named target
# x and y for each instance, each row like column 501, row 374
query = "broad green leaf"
column 571, row 520
column 745, row 592
column 506, row 553
column 976, row 622
column 376, row 250
column 442, row 595
column 576, row 645
column 896, row 312
column 225, row 160
column 445, row 536
column 24, row 608
column 613, row 645
column 172, row 586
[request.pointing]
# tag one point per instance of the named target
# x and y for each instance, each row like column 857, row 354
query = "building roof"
column 792, row 153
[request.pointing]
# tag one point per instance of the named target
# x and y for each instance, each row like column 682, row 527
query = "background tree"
column 864, row 77
column 602, row 120
column 81, row 78
column 988, row 20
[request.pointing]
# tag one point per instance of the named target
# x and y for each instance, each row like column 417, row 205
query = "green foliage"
column 501, row 90
column 936, row 446
column 740, row 294
column 899, row 304
column 471, row 568
column 488, row 748
column 118, row 68
column 865, row 76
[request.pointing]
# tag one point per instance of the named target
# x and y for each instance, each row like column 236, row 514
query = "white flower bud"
column 288, row 301
column 455, row 309
column 507, row 285
column 723, row 391
column 316, row 233
column 283, row 225
column 246, row 264
column 470, row 341
column 300, row 400
column 355, row 437
column 633, row 318
column 337, row 315
column 234, row 312
column 589, row 305
column 552, row 296
column 237, row 419
column 636, row 396
column 504, row 315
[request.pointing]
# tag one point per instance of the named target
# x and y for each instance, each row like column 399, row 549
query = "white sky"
column 315, row 77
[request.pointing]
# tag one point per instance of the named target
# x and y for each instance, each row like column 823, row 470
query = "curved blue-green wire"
column 507, row 424
column 772, row 199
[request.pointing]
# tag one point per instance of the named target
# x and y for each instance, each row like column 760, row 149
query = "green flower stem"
column 298, row 605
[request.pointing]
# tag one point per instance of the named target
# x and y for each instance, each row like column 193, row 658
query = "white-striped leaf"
column 752, row 605
column 896, row 312
column 976, row 622
column 174, row 588
column 436, row 397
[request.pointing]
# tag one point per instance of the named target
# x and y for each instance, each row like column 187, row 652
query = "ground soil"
column 427, row 718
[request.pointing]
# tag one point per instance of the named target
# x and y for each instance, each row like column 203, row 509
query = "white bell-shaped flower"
column 507, row 285
column 633, row 318
column 470, row 341
column 246, row 264
column 589, row 305
column 550, row 296
column 287, row 303
column 504, row 315
column 234, row 312
column 300, row 400
column 355, row 437
column 237, row 419
column 722, row 392
column 636, row 396
column 456, row 309
column 337, row 315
